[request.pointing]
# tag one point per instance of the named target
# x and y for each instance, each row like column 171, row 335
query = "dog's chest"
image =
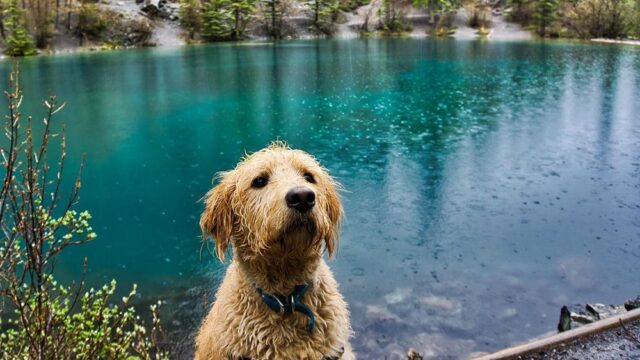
column 267, row 334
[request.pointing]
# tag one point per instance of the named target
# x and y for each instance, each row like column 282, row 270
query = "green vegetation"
column 579, row 18
column 18, row 40
column 436, row 8
column 91, row 21
column 350, row 5
column 273, row 11
column 392, row 16
column 39, row 318
column 191, row 17
column 324, row 14
column 604, row 18
column 545, row 14
column 225, row 19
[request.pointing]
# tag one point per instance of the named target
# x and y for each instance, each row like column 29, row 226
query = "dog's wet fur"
column 275, row 247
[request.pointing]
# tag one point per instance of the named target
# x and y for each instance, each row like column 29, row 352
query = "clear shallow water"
column 488, row 183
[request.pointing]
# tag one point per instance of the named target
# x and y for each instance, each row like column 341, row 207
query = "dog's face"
column 276, row 198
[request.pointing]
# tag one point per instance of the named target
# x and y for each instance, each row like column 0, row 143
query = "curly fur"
column 274, row 248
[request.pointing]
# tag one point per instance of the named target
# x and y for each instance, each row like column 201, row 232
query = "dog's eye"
column 259, row 182
column 307, row 176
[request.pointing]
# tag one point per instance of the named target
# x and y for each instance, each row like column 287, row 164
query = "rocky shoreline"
column 155, row 23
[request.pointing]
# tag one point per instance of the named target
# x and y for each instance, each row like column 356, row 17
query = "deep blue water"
column 488, row 183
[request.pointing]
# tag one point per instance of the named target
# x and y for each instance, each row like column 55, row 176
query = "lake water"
column 488, row 183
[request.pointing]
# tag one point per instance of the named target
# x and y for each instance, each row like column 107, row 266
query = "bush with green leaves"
column 39, row 318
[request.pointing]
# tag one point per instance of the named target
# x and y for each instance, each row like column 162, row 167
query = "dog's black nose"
column 300, row 198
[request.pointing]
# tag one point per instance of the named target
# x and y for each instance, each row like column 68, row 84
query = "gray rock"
column 159, row 9
column 601, row 311
column 565, row 319
column 632, row 304
column 574, row 316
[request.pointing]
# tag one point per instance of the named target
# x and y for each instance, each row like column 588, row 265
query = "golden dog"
column 278, row 209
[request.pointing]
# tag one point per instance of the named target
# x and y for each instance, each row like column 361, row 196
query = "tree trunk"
column 236, row 29
column 273, row 18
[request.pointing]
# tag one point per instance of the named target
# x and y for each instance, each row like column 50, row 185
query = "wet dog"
column 279, row 210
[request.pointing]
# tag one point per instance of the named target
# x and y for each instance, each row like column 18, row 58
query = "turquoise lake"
column 488, row 183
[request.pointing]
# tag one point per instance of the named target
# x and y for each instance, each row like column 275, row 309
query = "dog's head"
column 276, row 197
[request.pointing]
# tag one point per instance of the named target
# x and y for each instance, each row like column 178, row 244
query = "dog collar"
column 290, row 303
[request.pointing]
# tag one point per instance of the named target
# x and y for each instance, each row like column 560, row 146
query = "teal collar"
column 290, row 303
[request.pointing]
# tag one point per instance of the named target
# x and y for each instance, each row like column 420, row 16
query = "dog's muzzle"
column 300, row 198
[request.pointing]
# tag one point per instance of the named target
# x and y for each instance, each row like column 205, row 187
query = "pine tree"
column 273, row 13
column 226, row 19
column 241, row 10
column 216, row 15
column 19, row 42
column 191, row 16
column 545, row 14
column 323, row 13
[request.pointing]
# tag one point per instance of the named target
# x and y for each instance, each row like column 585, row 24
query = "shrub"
column 41, row 319
column 92, row 22
column 392, row 15
column 112, row 29
column 601, row 18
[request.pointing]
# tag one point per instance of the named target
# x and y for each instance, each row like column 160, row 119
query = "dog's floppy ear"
column 217, row 218
column 335, row 213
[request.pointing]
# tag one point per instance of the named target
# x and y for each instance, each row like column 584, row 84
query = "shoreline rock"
column 574, row 316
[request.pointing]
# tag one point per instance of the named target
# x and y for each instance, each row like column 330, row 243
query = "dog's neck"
column 278, row 272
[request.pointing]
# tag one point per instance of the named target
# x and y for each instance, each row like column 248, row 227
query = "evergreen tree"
column 240, row 10
column 324, row 13
column 545, row 14
column 191, row 16
column 273, row 13
column 19, row 42
column 226, row 19
column 216, row 17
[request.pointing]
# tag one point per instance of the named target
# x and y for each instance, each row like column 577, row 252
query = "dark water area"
column 488, row 183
